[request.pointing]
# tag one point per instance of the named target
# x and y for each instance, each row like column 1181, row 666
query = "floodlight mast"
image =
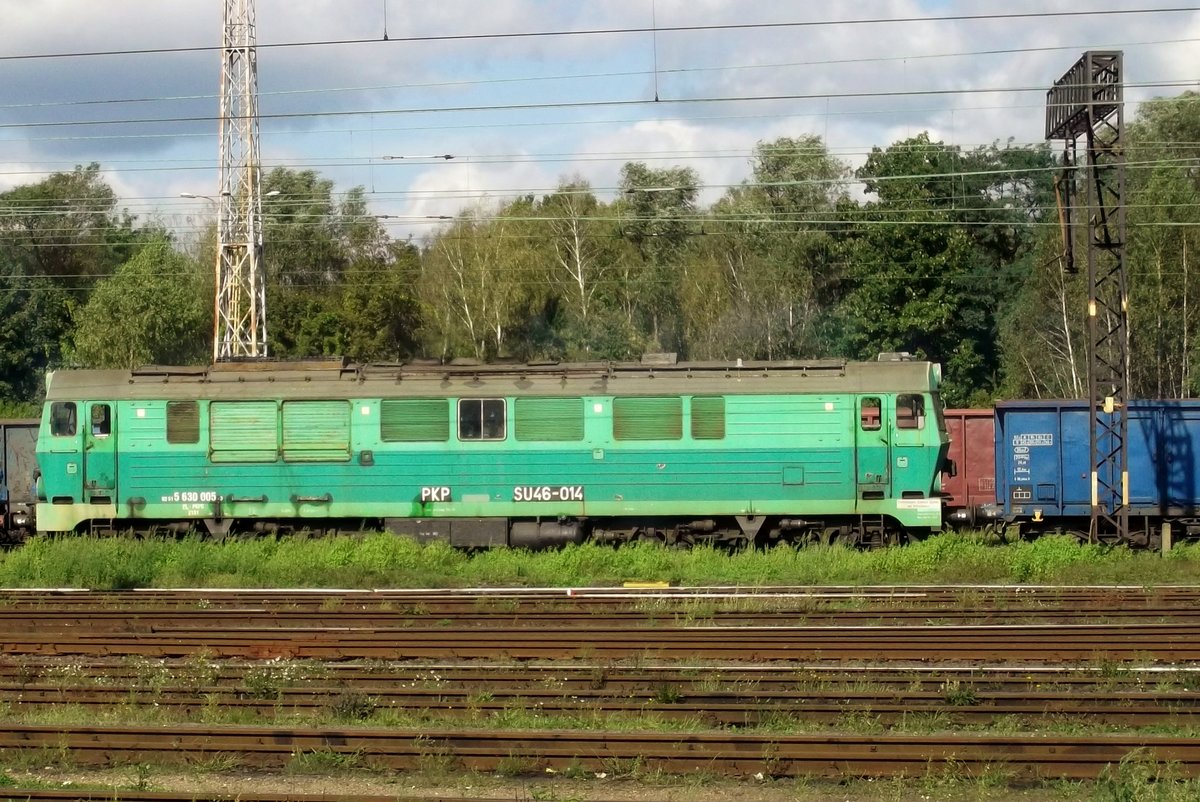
column 1089, row 101
column 240, row 313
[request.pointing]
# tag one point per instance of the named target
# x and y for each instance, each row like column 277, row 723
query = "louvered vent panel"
column 415, row 421
column 647, row 418
column 708, row 418
column 243, row 431
column 549, row 419
column 316, row 431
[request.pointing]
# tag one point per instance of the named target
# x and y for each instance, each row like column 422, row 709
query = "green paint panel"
column 316, row 431
column 549, row 419
column 244, row 431
column 416, row 421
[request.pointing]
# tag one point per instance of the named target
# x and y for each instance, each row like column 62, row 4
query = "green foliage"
column 337, row 285
column 926, row 260
column 382, row 560
column 154, row 310
column 956, row 256
column 1042, row 328
column 57, row 237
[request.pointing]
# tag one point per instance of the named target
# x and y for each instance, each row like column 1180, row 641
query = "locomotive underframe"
column 542, row 533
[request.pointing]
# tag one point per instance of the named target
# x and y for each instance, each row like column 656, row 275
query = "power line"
column 583, row 104
column 606, row 75
column 620, row 31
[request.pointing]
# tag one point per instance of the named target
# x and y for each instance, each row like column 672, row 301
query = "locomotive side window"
column 101, row 420
column 910, row 412
column 869, row 417
column 183, row 422
column 481, row 419
column 62, row 419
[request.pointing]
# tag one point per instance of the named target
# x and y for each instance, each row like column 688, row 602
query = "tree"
column 768, row 253
column 1163, row 198
column 657, row 213
column 472, row 282
column 57, row 237
column 336, row 283
column 156, row 308
column 927, row 263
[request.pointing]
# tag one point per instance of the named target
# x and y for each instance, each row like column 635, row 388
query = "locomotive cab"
column 77, row 454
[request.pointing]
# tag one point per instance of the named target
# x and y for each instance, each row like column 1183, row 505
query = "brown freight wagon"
column 970, row 491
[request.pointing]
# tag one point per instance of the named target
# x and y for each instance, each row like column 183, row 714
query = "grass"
column 382, row 560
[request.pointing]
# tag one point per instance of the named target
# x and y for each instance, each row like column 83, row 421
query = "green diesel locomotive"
column 484, row 455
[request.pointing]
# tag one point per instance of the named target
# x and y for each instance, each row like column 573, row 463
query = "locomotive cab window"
column 62, row 419
column 869, row 417
column 481, row 419
column 101, row 420
column 910, row 412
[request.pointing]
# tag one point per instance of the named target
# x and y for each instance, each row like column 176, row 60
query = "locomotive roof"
column 314, row 379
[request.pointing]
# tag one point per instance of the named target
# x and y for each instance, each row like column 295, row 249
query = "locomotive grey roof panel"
column 334, row 379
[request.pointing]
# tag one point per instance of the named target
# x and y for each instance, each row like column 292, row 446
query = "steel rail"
column 129, row 795
column 1024, row 643
column 954, row 704
column 795, row 597
column 230, row 676
column 118, row 620
column 734, row 754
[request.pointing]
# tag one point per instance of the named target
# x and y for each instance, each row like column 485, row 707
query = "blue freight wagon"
column 1043, row 473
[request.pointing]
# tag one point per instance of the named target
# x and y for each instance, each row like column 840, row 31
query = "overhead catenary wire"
column 604, row 75
column 732, row 26
column 1188, row 161
column 578, row 104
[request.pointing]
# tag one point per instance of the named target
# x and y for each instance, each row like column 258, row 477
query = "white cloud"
column 834, row 60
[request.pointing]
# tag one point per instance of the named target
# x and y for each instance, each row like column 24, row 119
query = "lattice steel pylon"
column 240, row 319
column 1089, row 101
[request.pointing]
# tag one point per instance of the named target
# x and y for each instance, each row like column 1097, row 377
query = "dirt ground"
column 553, row 789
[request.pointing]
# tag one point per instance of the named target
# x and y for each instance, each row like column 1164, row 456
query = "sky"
column 695, row 83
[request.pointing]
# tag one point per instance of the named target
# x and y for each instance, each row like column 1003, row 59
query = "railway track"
column 1066, row 643
column 717, row 664
column 850, row 599
column 954, row 704
column 118, row 795
column 615, row 678
column 534, row 751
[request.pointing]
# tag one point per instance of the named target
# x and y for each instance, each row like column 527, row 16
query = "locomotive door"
column 99, row 453
column 871, row 451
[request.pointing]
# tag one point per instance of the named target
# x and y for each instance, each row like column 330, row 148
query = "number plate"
column 548, row 493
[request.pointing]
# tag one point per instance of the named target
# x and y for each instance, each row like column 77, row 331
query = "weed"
column 538, row 794
column 632, row 768
column 956, row 693
column 378, row 559
column 435, row 758
column 142, row 773
column 351, row 706
column 516, row 766
column 1139, row 778
column 324, row 761
column 668, row 695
